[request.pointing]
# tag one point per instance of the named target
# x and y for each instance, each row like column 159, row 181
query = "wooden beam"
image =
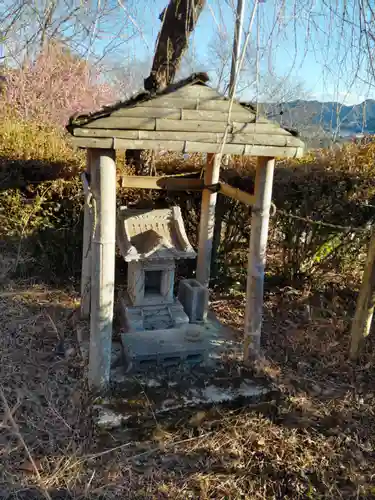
column 236, row 194
column 190, row 125
column 138, row 112
column 257, row 255
column 103, row 185
column 217, row 116
column 92, row 142
column 87, row 241
column 213, row 103
column 167, row 183
column 207, row 220
column 154, row 145
column 293, row 147
column 206, row 147
column 258, row 130
column 122, row 123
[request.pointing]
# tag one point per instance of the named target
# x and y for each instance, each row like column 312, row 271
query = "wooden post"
column 86, row 246
column 257, row 255
column 207, row 221
column 103, row 185
column 365, row 304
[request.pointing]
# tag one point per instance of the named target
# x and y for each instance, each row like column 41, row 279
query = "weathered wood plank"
column 277, row 152
column 216, row 103
column 98, row 132
column 241, row 149
column 145, row 134
column 205, row 147
column 179, row 136
column 196, row 91
column 220, row 104
column 155, row 145
column 190, row 126
column 237, row 194
column 218, row 116
column 172, row 113
column 188, row 146
column 256, row 128
column 170, row 101
column 117, row 122
column 216, row 137
column 167, row 183
column 92, row 142
column 264, row 139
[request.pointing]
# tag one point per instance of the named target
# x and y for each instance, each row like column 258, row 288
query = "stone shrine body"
column 155, row 321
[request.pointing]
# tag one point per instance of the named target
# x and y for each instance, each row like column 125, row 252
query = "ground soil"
column 316, row 442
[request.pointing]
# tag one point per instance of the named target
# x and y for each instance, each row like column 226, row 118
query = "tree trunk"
column 179, row 20
column 365, row 304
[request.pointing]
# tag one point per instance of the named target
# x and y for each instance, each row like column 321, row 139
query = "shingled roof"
column 152, row 234
column 186, row 117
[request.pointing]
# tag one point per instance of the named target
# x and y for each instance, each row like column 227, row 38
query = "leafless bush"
column 53, row 86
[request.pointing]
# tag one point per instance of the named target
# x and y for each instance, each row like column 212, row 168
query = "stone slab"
column 170, row 391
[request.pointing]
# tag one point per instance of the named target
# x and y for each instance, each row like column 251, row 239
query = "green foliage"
column 332, row 187
column 44, row 219
column 46, row 230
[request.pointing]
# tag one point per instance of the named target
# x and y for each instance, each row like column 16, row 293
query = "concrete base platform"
column 169, row 393
column 166, row 391
column 191, row 344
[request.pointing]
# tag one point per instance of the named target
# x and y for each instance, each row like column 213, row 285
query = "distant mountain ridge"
column 329, row 117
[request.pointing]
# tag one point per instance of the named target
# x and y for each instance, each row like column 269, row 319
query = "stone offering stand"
column 186, row 117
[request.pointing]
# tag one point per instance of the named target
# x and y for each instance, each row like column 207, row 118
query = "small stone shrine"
column 186, row 117
column 155, row 321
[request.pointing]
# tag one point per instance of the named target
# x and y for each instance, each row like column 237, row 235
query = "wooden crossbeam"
column 167, row 183
column 236, row 194
column 184, row 184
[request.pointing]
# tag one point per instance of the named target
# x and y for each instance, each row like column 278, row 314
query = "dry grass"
column 316, row 443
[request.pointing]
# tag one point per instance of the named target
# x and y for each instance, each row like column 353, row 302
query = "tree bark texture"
column 178, row 22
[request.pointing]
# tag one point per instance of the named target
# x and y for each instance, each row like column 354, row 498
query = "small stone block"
column 194, row 298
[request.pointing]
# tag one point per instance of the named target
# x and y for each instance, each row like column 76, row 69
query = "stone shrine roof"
column 152, row 234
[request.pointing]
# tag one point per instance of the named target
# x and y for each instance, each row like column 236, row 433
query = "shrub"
column 333, row 186
column 53, row 86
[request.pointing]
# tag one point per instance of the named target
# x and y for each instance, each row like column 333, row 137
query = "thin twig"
column 16, row 430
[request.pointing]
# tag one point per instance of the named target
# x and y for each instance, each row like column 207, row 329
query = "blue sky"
column 297, row 41
column 303, row 46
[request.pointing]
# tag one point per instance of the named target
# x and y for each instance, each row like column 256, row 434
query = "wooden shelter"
column 186, row 117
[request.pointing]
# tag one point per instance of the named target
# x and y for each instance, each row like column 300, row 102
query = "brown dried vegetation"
column 316, row 441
